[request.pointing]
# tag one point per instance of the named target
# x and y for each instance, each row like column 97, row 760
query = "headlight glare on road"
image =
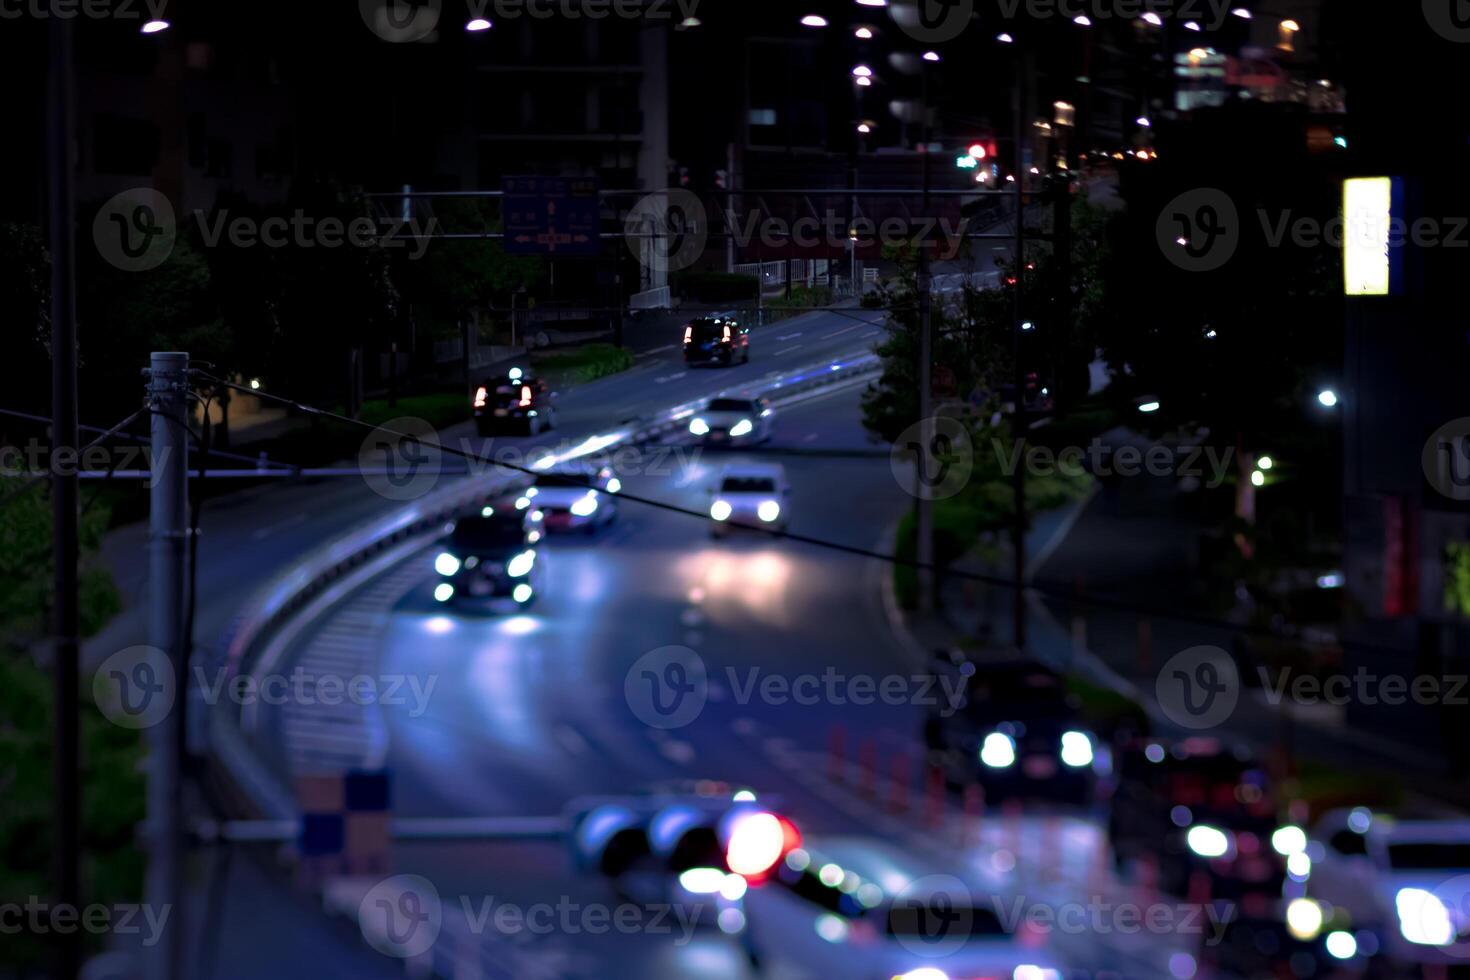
column 587, row 506
column 720, row 510
column 1028, row 971
column 742, row 428
column 522, row 593
column 998, row 750
column 1076, row 749
column 1207, row 841
column 443, row 592
column 924, row 973
column 520, row 565
column 768, row 511
column 698, row 426
column 1423, row 918
column 1303, row 919
column 446, row 564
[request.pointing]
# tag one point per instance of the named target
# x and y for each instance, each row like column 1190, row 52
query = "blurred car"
column 575, row 496
column 749, row 495
column 733, row 422
column 862, row 909
column 718, row 339
column 515, row 403
column 1016, row 730
column 490, row 559
column 1401, row 886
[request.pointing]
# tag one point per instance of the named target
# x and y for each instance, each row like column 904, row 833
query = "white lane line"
column 270, row 529
column 669, row 377
column 658, row 350
column 786, row 350
column 789, row 336
column 839, row 333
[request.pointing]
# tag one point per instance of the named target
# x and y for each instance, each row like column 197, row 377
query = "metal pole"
column 923, row 510
column 167, row 524
column 1018, row 478
column 64, row 489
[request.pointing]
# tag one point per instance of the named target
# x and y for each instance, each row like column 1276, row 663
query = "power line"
column 38, row 478
column 1043, row 588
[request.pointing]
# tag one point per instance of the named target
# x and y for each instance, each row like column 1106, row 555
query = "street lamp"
column 931, row 55
column 1327, row 398
column 154, row 26
column 478, row 24
column 1005, row 39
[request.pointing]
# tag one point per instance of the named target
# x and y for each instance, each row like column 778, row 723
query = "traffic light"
column 681, row 833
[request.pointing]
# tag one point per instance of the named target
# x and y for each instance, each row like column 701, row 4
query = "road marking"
column 787, row 350
column 839, row 333
column 658, row 350
column 670, row 377
column 789, row 336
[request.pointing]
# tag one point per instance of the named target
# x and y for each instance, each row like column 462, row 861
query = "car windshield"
column 1017, row 694
column 488, row 534
column 748, row 484
column 564, row 480
column 709, row 330
column 731, row 405
column 1428, row 857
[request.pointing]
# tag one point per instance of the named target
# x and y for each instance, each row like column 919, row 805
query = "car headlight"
column 443, row 592
column 586, row 506
column 1207, row 841
column 742, row 428
column 720, row 510
column 446, row 564
column 522, row 593
column 1289, row 840
column 614, row 485
column 768, row 511
column 521, row 564
column 1423, row 918
column 698, row 427
column 522, row 503
column 998, row 751
column 1076, row 749
column 1303, row 919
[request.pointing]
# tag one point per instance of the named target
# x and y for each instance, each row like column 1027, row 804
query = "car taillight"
column 525, row 396
column 480, row 396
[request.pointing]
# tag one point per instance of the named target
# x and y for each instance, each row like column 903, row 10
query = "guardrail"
column 242, row 780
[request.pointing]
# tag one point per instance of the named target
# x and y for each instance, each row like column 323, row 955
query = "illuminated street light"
column 864, row 128
column 1242, row 13
column 478, row 24
column 931, row 55
column 1192, row 25
column 154, row 26
column 864, row 33
column 1005, row 39
column 864, row 82
column 863, row 71
column 1144, row 121
column 1082, row 20
column 1327, row 398
column 814, row 20
column 1258, row 478
column 1265, row 462
column 1154, row 19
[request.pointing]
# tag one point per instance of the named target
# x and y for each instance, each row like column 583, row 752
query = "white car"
column 748, row 495
column 1398, row 889
column 862, row 909
column 733, row 422
column 576, row 497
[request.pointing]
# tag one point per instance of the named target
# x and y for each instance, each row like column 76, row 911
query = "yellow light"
column 1367, row 210
column 1290, row 26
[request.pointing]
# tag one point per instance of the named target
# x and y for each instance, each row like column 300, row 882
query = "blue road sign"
column 552, row 215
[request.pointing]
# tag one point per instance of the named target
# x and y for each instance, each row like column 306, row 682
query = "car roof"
column 773, row 471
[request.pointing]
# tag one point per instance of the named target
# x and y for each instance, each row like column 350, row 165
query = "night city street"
column 735, row 490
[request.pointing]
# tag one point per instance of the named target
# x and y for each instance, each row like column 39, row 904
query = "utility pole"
column 66, row 760
column 1018, row 415
column 924, row 506
column 167, row 534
